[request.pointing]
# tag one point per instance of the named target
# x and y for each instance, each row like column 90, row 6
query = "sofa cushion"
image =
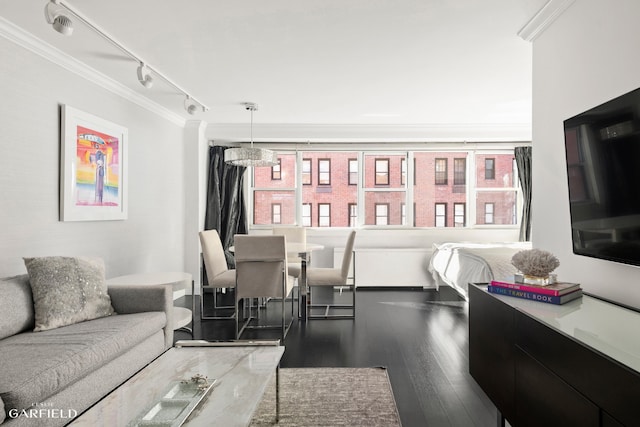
column 67, row 290
column 16, row 306
column 36, row 365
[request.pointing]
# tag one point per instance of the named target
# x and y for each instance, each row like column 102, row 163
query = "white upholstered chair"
column 261, row 272
column 293, row 235
column 219, row 276
column 332, row 278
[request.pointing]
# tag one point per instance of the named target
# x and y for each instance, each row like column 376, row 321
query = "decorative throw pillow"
column 67, row 290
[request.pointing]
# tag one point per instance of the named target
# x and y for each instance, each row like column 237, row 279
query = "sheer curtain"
column 225, row 210
column 523, row 160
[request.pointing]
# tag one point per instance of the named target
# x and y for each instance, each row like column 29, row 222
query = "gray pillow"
column 67, row 290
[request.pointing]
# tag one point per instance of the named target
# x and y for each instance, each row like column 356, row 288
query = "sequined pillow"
column 67, row 290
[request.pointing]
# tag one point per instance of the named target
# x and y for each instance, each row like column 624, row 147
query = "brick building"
column 330, row 182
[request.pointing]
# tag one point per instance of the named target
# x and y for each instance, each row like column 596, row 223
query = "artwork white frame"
column 92, row 145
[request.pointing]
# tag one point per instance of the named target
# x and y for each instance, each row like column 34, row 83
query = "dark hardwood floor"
column 420, row 336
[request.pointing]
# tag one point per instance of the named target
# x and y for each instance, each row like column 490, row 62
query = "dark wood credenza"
column 576, row 364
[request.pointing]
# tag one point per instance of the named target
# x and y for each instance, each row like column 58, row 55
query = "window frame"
column 320, row 172
column 320, row 206
column 436, row 216
column 362, row 199
column 276, row 171
column 492, row 175
column 309, row 173
column 377, row 174
column 273, row 213
column 439, row 174
column 350, row 172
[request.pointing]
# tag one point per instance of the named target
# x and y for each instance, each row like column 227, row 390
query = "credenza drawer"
column 545, row 400
column 610, row 385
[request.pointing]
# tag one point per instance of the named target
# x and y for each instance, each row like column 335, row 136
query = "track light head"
column 144, row 76
column 60, row 22
column 190, row 105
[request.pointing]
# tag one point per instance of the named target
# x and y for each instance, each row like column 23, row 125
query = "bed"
column 458, row 264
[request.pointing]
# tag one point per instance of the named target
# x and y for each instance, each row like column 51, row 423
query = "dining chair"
column 261, row 272
column 293, row 235
column 219, row 276
column 333, row 278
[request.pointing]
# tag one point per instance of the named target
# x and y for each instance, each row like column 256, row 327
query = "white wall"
column 151, row 239
column 586, row 57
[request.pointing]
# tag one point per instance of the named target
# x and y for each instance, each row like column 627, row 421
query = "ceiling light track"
column 55, row 15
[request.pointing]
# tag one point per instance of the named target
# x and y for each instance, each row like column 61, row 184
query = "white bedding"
column 458, row 264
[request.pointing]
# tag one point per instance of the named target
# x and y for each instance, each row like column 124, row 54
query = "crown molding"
column 365, row 133
column 543, row 19
column 28, row 41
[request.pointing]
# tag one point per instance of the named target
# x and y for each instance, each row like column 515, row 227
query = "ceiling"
column 355, row 62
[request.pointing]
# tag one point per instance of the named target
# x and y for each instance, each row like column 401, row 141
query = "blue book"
column 549, row 299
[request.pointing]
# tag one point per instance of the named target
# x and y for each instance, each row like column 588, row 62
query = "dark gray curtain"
column 523, row 160
column 226, row 210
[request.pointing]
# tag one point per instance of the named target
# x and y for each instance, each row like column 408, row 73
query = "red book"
column 555, row 289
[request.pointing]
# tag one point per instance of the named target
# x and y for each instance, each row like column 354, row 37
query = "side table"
column 179, row 281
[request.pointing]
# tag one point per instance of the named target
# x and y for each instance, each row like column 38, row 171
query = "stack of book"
column 556, row 293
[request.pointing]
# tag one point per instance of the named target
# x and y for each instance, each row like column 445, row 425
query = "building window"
column 488, row 213
column 382, row 172
column 353, row 215
column 324, row 215
column 459, row 215
column 306, row 214
column 441, row 171
column 306, row 171
column 324, row 171
column 403, row 171
column 441, row 214
column 382, row 213
column 276, row 213
column 489, row 168
column 276, row 171
column 353, row 171
column 459, row 171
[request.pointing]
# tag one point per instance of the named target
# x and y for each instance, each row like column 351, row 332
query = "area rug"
column 330, row 397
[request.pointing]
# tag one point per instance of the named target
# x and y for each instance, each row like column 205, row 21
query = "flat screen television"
column 602, row 148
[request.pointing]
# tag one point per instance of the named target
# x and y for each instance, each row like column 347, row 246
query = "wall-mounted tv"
column 603, row 167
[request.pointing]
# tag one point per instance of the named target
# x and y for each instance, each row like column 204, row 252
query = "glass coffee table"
column 163, row 393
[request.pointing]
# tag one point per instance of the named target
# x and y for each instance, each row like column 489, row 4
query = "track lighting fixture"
column 190, row 106
column 56, row 13
column 60, row 22
column 144, row 76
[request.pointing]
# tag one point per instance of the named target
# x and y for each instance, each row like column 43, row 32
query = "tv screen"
column 603, row 168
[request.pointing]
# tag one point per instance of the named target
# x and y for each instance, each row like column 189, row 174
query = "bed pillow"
column 67, row 290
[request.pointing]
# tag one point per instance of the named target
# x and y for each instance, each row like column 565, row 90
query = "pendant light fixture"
column 250, row 156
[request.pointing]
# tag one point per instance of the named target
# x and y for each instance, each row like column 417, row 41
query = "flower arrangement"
column 535, row 262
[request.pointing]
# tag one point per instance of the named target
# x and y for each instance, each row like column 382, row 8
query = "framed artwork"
column 93, row 168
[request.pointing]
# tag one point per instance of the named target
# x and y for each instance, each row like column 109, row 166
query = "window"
column 324, row 215
column 306, row 214
column 441, row 214
column 276, row 171
column 371, row 205
column 490, row 168
column 459, row 215
column 353, row 171
column 459, row 171
column 441, row 171
column 306, row 171
column 382, row 172
column 488, row 213
column 382, row 213
column 353, row 215
column 276, row 213
column 324, row 171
